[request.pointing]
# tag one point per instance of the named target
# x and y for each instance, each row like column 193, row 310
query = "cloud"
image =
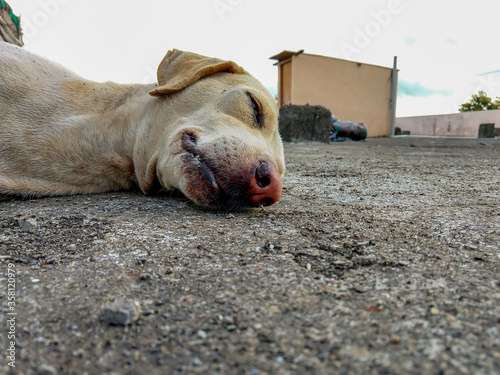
column 451, row 41
column 495, row 72
column 415, row 89
column 409, row 41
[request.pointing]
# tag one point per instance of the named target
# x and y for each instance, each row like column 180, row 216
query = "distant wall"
column 465, row 124
column 351, row 91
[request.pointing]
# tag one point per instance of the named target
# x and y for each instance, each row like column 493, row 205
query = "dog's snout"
column 265, row 186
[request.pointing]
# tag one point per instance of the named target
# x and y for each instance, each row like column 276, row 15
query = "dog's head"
column 217, row 130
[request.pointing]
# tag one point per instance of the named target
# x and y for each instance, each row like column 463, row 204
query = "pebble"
column 47, row 370
column 366, row 260
column 394, row 339
column 29, row 225
column 274, row 309
column 451, row 318
column 145, row 277
column 79, row 353
column 121, row 313
column 202, row 334
column 164, row 331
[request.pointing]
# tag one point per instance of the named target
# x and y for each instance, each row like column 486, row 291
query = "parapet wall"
column 465, row 124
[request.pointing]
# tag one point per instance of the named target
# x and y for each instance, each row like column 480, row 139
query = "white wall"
column 464, row 124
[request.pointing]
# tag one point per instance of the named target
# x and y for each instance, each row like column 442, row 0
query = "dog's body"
column 208, row 128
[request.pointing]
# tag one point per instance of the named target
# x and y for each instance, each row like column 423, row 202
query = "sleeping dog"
column 207, row 128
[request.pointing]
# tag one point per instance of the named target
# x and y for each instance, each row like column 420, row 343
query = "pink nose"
column 265, row 186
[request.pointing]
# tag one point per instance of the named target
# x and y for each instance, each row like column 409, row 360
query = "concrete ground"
column 383, row 257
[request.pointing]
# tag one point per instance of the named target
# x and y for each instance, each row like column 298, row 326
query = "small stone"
column 164, row 331
column 394, row 339
column 79, row 353
column 196, row 361
column 434, row 311
column 227, row 319
column 273, row 310
column 450, row 318
column 121, row 313
column 366, row 260
column 145, row 277
column 202, row 334
column 47, row 370
column 29, row 225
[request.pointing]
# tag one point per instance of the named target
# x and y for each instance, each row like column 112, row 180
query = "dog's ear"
column 180, row 69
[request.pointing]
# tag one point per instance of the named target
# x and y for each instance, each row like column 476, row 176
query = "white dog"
column 208, row 128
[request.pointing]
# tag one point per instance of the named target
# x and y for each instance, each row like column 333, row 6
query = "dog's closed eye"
column 257, row 111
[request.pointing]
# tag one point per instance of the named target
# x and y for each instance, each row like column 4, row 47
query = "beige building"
column 351, row 91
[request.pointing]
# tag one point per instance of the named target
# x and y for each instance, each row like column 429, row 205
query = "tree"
column 480, row 102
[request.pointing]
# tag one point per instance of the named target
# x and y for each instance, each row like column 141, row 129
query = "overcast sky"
column 447, row 49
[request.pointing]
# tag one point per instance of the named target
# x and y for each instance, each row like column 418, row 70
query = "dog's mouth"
column 206, row 189
column 213, row 182
column 195, row 158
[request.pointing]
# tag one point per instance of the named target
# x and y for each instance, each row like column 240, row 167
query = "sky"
column 447, row 49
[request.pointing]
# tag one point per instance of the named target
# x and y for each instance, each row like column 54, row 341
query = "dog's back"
column 45, row 145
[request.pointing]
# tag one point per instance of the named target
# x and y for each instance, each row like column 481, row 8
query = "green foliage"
column 480, row 102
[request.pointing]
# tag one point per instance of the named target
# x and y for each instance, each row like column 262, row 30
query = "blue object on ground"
column 340, row 130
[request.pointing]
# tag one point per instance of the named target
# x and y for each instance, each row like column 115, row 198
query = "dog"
column 207, row 128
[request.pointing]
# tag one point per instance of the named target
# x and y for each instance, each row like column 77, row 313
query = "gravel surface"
column 383, row 257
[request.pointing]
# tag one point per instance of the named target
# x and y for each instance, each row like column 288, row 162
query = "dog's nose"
column 265, row 186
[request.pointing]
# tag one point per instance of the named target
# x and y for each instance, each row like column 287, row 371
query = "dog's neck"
column 88, row 97
column 100, row 132
column 114, row 119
